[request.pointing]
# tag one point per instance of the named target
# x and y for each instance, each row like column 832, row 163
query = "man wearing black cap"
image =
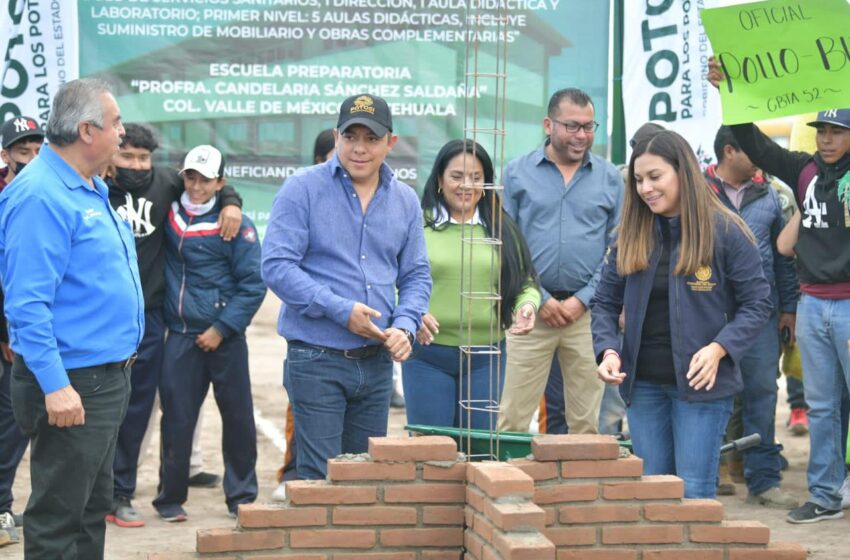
column 819, row 235
column 21, row 138
column 344, row 238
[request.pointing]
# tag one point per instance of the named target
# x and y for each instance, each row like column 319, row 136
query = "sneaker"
column 845, row 493
column 18, row 517
column 798, row 422
column 7, row 527
column 774, row 498
column 172, row 514
column 812, row 513
column 124, row 514
column 725, row 484
column 279, row 494
column 204, row 480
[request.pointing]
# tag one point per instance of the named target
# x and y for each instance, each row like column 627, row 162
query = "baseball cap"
column 206, row 160
column 19, row 128
column 369, row 110
column 836, row 117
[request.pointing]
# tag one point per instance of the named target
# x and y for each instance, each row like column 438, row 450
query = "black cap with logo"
column 18, row 128
column 369, row 110
column 835, row 117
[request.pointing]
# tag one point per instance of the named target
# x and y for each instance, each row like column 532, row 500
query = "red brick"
column 473, row 543
column 737, row 532
column 775, row 551
column 652, row 487
column 257, row 516
column 610, row 554
column 424, row 448
column 428, row 493
column 536, row 469
column 374, row 556
column 483, row 527
column 374, row 515
column 339, row 470
column 499, row 480
column 331, row 538
column 558, row 493
column 475, row 498
column 440, row 555
column 688, row 511
column 610, row 513
column 643, row 534
column 514, row 517
column 550, row 515
column 229, row 540
column 288, row 557
column 320, row 492
column 679, row 554
column 468, row 516
column 618, row 468
column 524, row 546
column 442, row 515
column 457, row 471
column 183, row 556
column 422, row 537
column 574, row 447
column 571, row 536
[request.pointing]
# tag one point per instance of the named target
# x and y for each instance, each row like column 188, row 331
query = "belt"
column 562, row 295
column 360, row 353
column 123, row 364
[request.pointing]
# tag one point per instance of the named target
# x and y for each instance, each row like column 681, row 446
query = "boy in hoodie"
column 213, row 290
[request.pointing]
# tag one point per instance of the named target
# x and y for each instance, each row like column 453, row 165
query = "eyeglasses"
column 572, row 126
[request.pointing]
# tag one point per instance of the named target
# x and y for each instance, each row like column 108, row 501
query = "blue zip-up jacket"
column 727, row 302
column 208, row 281
column 762, row 211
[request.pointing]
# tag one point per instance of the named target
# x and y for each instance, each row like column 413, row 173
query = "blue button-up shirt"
column 322, row 254
column 567, row 226
column 70, row 274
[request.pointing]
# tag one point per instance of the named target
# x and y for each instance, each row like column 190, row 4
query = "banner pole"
column 618, row 132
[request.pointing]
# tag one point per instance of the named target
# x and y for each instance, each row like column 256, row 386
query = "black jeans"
column 13, row 443
column 70, row 468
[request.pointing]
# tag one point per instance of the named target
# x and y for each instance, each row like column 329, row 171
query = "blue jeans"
column 434, row 382
column 823, row 329
column 759, row 368
column 339, row 403
column 678, row 437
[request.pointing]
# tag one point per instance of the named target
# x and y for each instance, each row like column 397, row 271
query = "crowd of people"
column 660, row 292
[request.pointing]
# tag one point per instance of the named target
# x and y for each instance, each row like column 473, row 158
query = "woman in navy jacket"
column 688, row 275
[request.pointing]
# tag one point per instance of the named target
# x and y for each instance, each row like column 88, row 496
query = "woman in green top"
column 461, row 216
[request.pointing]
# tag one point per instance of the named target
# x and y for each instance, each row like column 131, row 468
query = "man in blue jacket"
column 213, row 290
column 732, row 179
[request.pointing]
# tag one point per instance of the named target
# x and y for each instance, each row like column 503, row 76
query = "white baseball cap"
column 206, row 160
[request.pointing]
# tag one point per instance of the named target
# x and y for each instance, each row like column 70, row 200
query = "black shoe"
column 812, row 513
column 204, row 480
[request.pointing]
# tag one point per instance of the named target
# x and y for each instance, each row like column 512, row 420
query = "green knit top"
column 447, row 305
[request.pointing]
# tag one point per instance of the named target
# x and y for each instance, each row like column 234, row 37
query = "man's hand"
column 788, row 320
column 64, row 408
column 209, row 340
column 360, row 322
column 523, row 320
column 430, row 327
column 397, row 344
column 8, row 354
column 229, row 220
column 552, row 314
column 573, row 308
column 715, row 72
column 703, row 369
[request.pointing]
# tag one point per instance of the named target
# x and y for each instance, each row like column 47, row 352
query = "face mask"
column 19, row 167
column 132, row 179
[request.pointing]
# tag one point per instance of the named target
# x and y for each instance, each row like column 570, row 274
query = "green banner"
column 781, row 57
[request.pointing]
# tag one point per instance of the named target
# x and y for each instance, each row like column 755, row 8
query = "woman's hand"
column 430, row 327
column 609, row 370
column 523, row 321
column 715, row 73
column 703, row 368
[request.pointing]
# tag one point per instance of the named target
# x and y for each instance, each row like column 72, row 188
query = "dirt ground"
column 206, row 508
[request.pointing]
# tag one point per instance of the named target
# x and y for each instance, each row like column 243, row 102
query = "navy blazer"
column 727, row 302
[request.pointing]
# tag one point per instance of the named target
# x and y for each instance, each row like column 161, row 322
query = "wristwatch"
column 409, row 336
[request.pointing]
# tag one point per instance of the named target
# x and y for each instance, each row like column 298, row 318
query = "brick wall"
column 414, row 499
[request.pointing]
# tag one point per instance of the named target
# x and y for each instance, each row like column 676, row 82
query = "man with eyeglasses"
column 566, row 201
